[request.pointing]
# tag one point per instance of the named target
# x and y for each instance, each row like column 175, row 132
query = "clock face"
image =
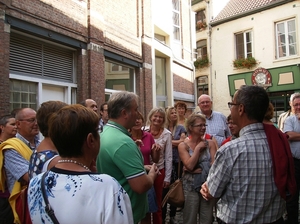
column 261, row 77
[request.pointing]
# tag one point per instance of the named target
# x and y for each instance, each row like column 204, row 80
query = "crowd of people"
column 118, row 167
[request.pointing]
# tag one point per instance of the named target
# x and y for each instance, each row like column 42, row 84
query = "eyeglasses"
column 296, row 105
column 230, row 123
column 32, row 120
column 232, row 104
column 205, row 102
column 200, row 125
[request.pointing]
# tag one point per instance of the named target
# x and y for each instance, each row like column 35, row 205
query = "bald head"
column 89, row 103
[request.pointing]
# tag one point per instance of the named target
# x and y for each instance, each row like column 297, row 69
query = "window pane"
column 176, row 33
column 175, row 18
column 175, row 4
column 119, row 77
column 23, row 94
column 239, row 46
column 160, row 70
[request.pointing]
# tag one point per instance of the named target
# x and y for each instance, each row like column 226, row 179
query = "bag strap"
column 48, row 207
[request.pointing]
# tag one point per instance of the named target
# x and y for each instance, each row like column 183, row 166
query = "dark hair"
column 102, row 106
column 180, row 104
column 229, row 118
column 4, row 119
column 44, row 112
column 255, row 100
column 15, row 111
column 69, row 127
column 119, row 101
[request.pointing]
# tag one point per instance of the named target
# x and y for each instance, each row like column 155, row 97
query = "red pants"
column 158, row 186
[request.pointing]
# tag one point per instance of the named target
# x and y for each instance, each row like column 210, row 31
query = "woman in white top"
column 162, row 136
column 76, row 194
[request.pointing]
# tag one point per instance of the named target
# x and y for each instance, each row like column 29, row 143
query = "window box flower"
column 201, row 25
column 248, row 62
column 201, row 62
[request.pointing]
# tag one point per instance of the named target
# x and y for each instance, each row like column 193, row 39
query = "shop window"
column 243, row 44
column 286, row 41
column 118, row 77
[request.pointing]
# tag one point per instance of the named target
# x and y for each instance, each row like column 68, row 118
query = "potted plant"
column 201, row 62
column 201, row 25
column 248, row 62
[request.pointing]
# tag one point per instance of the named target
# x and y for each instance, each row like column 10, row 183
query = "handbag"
column 175, row 195
column 48, row 207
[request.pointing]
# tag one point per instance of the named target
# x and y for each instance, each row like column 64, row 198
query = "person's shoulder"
column 219, row 114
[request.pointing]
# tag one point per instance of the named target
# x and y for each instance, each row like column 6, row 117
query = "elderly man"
column 249, row 173
column 216, row 121
column 120, row 156
column 16, row 153
column 288, row 113
column 292, row 129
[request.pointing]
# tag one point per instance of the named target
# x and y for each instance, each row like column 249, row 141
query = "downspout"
column 210, row 51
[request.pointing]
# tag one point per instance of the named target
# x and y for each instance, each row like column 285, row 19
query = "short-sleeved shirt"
column 121, row 158
column 293, row 124
column 146, row 148
column 242, row 176
column 15, row 165
column 217, row 126
column 79, row 197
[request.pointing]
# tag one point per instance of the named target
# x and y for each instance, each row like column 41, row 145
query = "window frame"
column 287, row 39
column 245, row 51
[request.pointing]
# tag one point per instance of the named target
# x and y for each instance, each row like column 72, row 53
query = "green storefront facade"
column 279, row 82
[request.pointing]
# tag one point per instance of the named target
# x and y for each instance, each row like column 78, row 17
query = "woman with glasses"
column 197, row 154
column 234, row 130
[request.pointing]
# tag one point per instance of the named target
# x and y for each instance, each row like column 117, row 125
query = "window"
column 161, row 87
column 118, row 77
column 200, row 20
column 243, row 44
column 286, row 43
column 176, row 19
column 201, row 49
column 23, row 94
column 160, row 38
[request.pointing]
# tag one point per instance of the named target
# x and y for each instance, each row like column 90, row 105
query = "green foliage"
column 201, row 62
column 248, row 62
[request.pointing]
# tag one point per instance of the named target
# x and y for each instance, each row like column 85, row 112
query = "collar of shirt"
column 118, row 126
column 210, row 117
column 251, row 127
column 36, row 141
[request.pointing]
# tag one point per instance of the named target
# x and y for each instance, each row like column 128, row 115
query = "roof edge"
column 269, row 6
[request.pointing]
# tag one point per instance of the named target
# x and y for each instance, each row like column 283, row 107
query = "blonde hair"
column 156, row 110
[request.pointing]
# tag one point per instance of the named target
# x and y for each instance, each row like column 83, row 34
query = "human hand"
column 156, row 147
column 166, row 184
column 154, row 170
column 147, row 167
column 139, row 142
column 201, row 146
column 205, row 192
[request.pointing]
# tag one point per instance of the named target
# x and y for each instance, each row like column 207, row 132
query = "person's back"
column 251, row 184
column 76, row 194
column 246, row 174
column 80, row 197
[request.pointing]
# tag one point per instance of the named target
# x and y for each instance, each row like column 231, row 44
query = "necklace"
column 155, row 133
column 73, row 161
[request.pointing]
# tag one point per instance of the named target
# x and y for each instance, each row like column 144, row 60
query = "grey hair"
column 294, row 96
column 204, row 95
column 119, row 101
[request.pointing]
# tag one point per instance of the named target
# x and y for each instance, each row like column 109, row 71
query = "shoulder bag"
column 48, row 207
column 175, row 195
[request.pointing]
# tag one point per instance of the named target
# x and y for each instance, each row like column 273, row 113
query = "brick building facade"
column 70, row 50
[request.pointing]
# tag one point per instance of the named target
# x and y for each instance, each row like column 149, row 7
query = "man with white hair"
column 286, row 114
